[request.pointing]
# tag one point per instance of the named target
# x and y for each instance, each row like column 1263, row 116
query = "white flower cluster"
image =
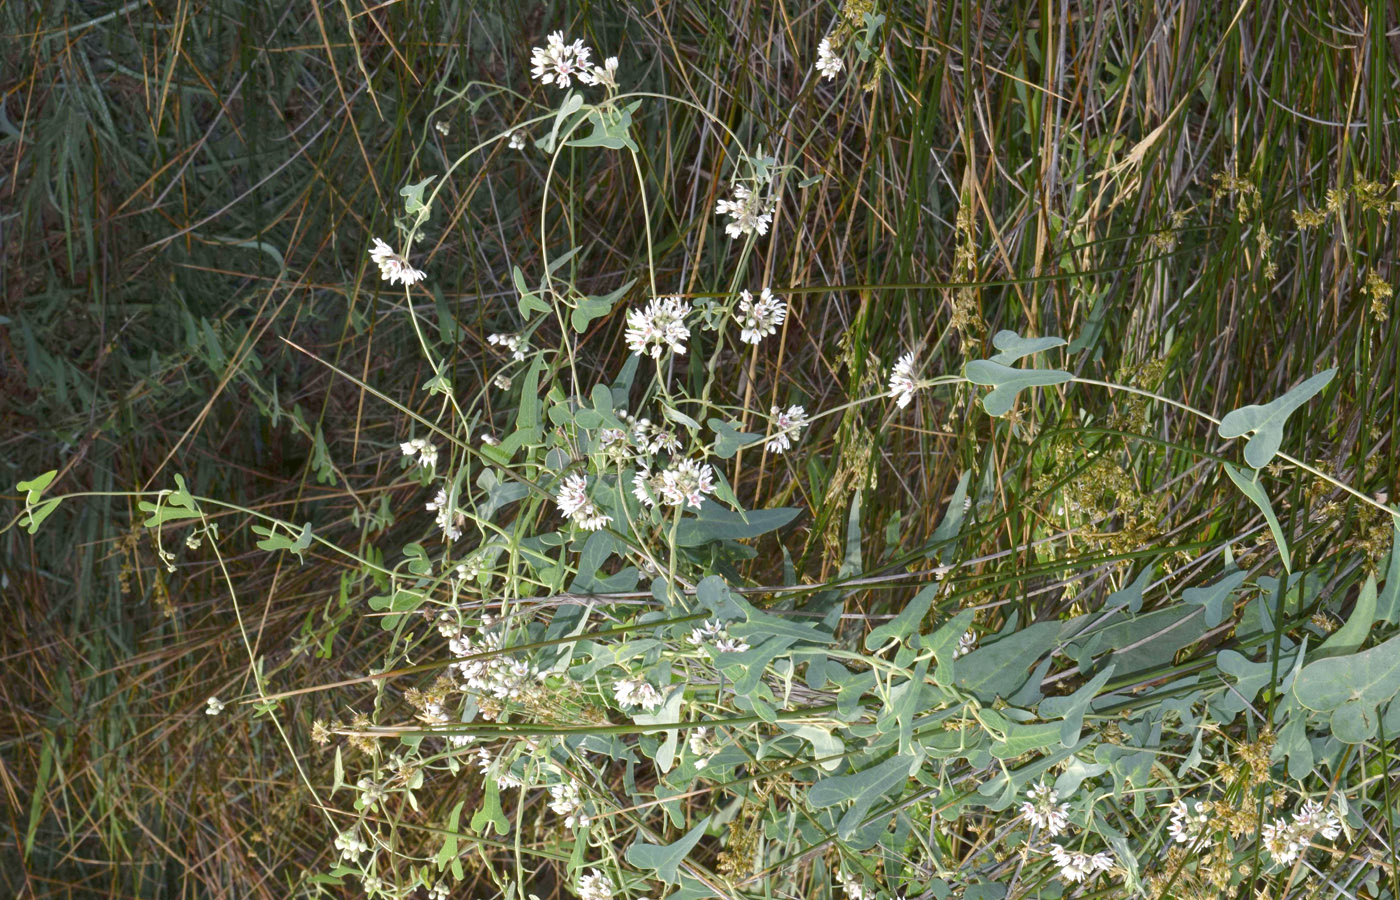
column 392, row 267
column 631, row 692
column 371, row 792
column 215, row 706
column 420, row 447
column 902, row 382
column 491, row 766
column 759, row 318
column 442, row 128
column 966, row 644
column 516, row 344
column 566, row 799
column 497, row 675
column 714, row 632
column 1287, row 840
column 1043, row 811
column 1076, row 866
column 595, row 886
column 750, row 211
column 659, row 326
column 787, row 425
column 574, row 504
column 684, row 482
column 559, row 63
column 350, row 845
column 828, row 63
column 702, row 744
column 449, row 518
column 854, row 888
column 1190, row 821
column 645, row 435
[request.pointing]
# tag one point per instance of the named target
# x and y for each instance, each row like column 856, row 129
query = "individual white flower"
column 392, row 267
column 350, row 845
column 516, row 141
column 595, row 886
column 902, row 382
column 516, row 344
column 566, row 799
column 828, row 63
column 758, row 318
column 1043, row 811
column 489, row 439
column 686, row 482
column 215, row 706
column 603, row 76
column 1076, row 866
column 750, row 212
column 441, row 127
column 574, row 504
column 420, row 447
column 558, row 62
column 1190, row 822
column 788, row 425
column 966, row 644
column 637, row 692
column 660, row 325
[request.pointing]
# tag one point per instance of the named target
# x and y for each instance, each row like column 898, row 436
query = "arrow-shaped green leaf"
column 1008, row 382
column 1266, row 421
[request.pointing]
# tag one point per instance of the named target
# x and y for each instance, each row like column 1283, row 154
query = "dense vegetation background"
column 1200, row 197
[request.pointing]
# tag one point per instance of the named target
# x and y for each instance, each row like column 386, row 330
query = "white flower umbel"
column 392, row 267
column 425, row 452
column 758, row 318
column 635, row 692
column 449, row 518
column 350, row 845
column 558, row 62
column 1076, row 866
column 516, row 344
column 852, row 885
column 595, row 886
column 659, row 326
column 1190, row 822
column 516, row 141
column 1313, row 817
column 787, row 425
column 215, row 706
column 750, row 212
column 902, row 382
column 566, row 799
column 714, row 632
column 1043, row 811
column 602, row 76
column 686, row 482
column 574, row 504
column 828, row 63
column 966, row 644
column 442, row 128
column 701, row 743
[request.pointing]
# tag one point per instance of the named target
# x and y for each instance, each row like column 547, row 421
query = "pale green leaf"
column 1266, row 422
